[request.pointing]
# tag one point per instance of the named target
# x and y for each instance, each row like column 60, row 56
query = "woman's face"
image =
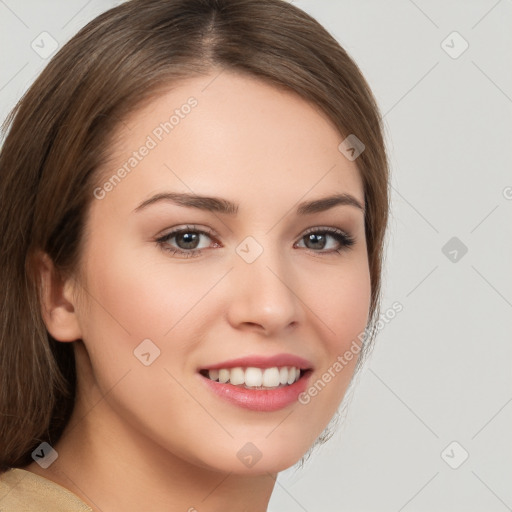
column 245, row 278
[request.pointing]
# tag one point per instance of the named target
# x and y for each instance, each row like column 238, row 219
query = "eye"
column 185, row 241
column 332, row 239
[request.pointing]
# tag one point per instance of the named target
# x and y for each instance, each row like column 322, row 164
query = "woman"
column 194, row 202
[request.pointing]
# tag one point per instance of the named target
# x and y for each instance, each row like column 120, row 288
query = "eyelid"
column 187, row 227
column 327, row 229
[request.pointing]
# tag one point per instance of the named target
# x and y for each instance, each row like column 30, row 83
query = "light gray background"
column 441, row 369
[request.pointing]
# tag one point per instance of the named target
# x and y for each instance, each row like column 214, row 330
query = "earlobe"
column 57, row 301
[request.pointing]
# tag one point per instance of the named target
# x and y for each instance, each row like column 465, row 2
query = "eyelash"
column 346, row 240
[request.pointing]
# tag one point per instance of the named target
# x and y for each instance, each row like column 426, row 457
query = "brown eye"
column 327, row 240
column 185, row 241
column 315, row 241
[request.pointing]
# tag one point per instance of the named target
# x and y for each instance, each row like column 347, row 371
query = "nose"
column 263, row 295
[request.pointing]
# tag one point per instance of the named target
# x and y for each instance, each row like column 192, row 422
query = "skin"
column 154, row 437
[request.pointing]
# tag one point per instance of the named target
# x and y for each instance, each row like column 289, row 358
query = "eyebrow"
column 219, row 205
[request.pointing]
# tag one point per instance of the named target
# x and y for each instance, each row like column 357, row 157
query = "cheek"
column 351, row 314
column 133, row 299
column 342, row 300
column 342, row 309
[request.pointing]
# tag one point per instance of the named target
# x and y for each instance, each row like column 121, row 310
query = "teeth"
column 256, row 377
column 236, row 376
column 271, row 377
column 253, row 377
column 291, row 375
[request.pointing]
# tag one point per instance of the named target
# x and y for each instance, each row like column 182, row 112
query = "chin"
column 257, row 457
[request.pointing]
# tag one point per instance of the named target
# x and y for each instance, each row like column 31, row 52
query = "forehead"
column 232, row 135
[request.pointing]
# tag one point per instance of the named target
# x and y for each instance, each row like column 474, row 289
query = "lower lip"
column 263, row 400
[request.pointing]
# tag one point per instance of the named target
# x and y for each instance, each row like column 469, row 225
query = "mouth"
column 260, row 384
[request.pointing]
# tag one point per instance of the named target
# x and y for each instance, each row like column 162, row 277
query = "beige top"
column 23, row 491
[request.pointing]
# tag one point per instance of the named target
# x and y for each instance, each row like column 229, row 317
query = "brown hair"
column 58, row 135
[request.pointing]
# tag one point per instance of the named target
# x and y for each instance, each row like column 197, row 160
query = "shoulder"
column 23, row 491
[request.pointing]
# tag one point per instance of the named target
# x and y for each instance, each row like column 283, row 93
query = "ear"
column 57, row 300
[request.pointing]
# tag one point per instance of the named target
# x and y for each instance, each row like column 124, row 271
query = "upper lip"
column 263, row 362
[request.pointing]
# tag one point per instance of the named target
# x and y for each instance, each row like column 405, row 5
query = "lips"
column 259, row 383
